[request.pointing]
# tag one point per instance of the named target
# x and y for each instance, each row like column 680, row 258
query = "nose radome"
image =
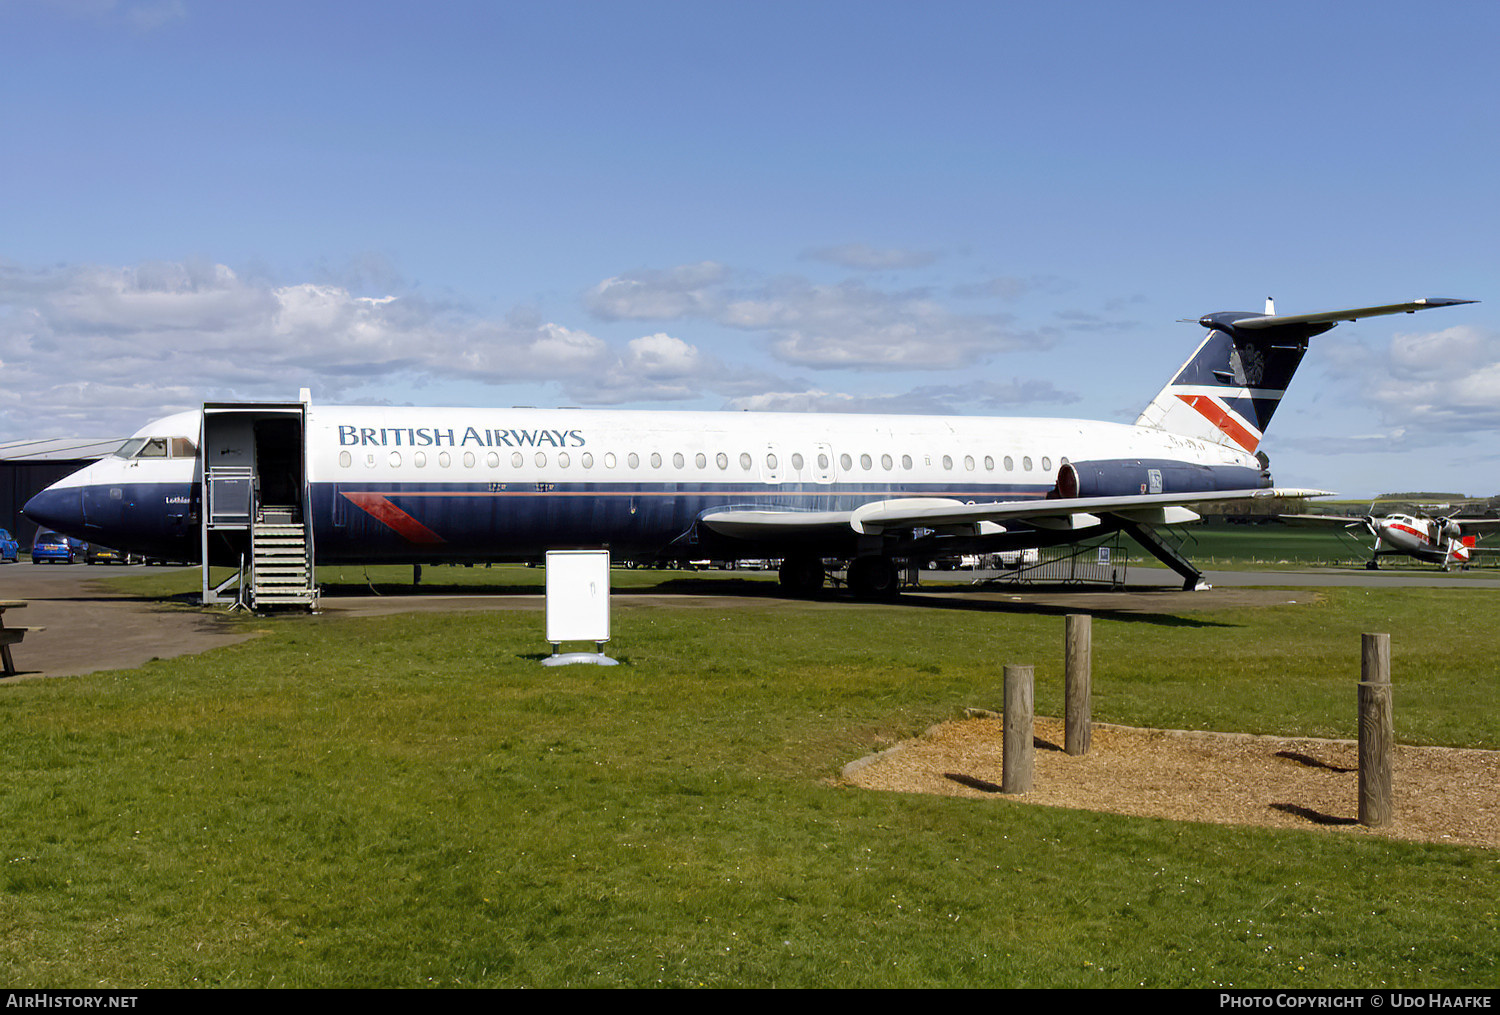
column 59, row 508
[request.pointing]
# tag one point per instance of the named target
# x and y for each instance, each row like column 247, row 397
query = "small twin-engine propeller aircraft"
column 234, row 481
column 1444, row 541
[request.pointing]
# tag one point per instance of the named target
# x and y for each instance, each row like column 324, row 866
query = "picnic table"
column 11, row 635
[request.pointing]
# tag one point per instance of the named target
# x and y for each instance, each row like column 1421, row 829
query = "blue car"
column 9, row 548
column 54, row 547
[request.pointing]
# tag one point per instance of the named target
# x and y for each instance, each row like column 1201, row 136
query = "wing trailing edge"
column 937, row 513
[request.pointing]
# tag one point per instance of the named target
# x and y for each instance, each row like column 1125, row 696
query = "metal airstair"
column 281, row 568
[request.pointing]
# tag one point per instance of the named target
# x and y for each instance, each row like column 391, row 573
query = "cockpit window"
column 157, row 447
column 130, row 447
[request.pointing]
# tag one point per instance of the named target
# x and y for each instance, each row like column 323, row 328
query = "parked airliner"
column 341, row 484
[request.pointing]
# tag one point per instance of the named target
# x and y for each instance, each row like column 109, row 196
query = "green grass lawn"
column 415, row 801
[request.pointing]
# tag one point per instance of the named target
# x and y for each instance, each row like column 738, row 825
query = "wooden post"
column 1078, row 718
column 1017, row 749
column 1377, row 733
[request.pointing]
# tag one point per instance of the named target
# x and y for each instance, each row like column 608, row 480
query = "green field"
column 415, row 801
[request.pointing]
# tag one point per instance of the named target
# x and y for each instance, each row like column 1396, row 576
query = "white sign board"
column 577, row 595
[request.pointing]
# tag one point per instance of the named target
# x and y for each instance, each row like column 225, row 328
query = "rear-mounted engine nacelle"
column 1132, row 477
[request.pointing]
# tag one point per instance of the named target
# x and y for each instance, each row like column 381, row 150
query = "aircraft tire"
column 801, row 576
column 874, row 578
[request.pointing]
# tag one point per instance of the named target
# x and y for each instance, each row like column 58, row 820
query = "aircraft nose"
column 59, row 508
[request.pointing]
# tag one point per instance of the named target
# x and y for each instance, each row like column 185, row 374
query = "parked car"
column 96, row 554
column 9, row 548
column 54, row 547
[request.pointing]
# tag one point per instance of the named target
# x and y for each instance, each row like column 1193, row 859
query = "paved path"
column 89, row 627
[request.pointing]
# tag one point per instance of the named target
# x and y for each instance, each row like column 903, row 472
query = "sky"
column 970, row 208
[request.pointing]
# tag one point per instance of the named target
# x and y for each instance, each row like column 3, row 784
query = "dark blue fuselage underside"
column 412, row 523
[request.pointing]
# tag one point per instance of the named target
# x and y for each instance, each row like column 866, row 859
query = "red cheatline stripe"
column 1216, row 415
column 384, row 511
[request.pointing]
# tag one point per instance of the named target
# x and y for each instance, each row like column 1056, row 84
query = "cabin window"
column 395, row 459
column 846, row 463
column 444, row 459
column 154, row 447
column 969, row 463
column 183, row 448
column 541, row 459
column 822, row 462
column 864, row 462
column 346, row 459
column 745, row 460
column 633, row 460
column 419, row 459
column 989, row 463
column 677, row 460
column 655, row 460
column 492, row 460
column 468, row 459
column 700, row 460
column 797, row 461
column 516, row 460
column 1026, row 462
column 771, row 462
column 721, row 460
column 1046, row 464
column 587, row 460
column 1010, row 465
column 886, row 463
column 609, row 459
column 563, row 459
column 906, row 461
column 947, row 461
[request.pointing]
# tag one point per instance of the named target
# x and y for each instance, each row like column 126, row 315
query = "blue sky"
column 951, row 207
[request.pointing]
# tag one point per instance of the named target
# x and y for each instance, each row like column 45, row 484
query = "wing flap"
column 941, row 513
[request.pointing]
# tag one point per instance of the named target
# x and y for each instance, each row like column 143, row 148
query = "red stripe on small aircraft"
column 1215, row 414
column 383, row 511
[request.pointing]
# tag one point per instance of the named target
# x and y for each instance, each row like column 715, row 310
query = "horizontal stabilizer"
column 1354, row 314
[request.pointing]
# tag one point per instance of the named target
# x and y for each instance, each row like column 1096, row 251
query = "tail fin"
column 1230, row 387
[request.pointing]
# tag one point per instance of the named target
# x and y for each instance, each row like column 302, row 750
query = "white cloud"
column 95, row 350
column 689, row 290
column 110, row 345
column 1425, row 383
column 981, row 396
column 849, row 325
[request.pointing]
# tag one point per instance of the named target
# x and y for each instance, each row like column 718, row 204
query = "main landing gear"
column 870, row 577
column 874, row 578
column 802, row 575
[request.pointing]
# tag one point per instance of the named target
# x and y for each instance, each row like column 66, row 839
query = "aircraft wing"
column 1477, row 526
column 980, row 519
column 1325, row 521
column 1354, row 314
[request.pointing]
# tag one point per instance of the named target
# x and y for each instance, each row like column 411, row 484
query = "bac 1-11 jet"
column 231, row 481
